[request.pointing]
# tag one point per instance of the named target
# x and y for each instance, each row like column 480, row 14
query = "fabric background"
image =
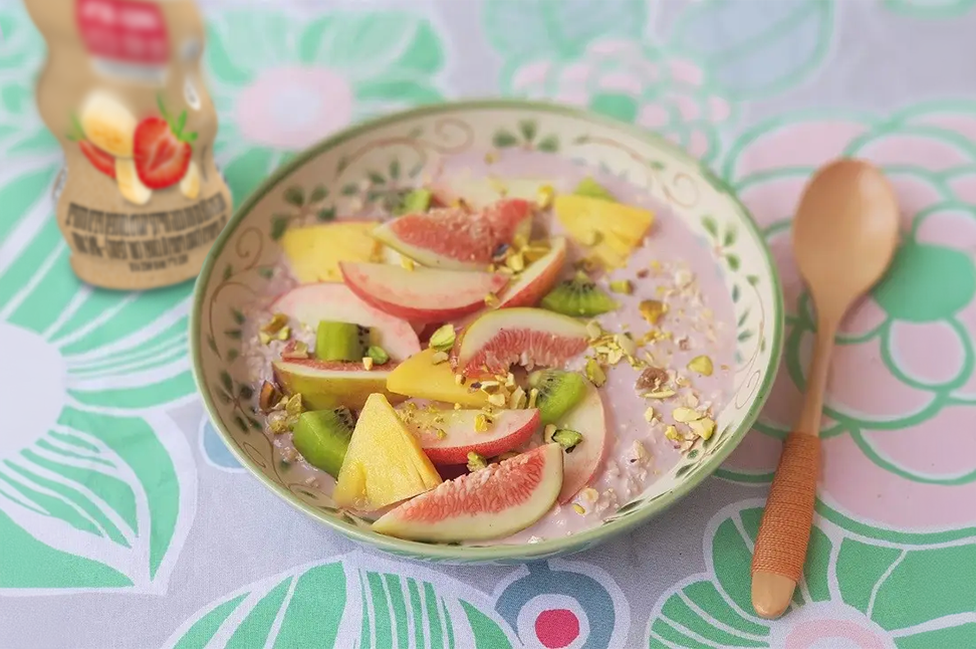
column 124, row 522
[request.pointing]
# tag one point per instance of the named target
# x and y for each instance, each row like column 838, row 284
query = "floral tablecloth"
column 124, row 522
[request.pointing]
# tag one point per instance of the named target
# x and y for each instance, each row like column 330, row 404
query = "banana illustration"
column 108, row 123
column 190, row 183
column 130, row 186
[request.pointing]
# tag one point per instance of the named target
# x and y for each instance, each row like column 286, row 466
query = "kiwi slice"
column 579, row 296
column 322, row 437
column 559, row 392
column 593, row 189
column 341, row 341
column 417, row 200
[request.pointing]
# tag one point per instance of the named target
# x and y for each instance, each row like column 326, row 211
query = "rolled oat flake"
column 140, row 200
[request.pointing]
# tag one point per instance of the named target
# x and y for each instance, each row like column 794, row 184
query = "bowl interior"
column 358, row 166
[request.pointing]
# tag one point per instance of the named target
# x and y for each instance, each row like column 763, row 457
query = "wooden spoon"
column 844, row 235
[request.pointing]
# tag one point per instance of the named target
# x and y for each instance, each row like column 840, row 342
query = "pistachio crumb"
column 649, row 414
column 672, row 433
column 701, row 364
column 497, row 399
column 491, row 300
column 459, row 379
column 367, row 363
column 407, row 263
column 595, row 373
column 652, row 310
column 294, row 405
column 622, row 286
column 703, row 428
column 578, row 508
column 544, row 196
column 684, row 415
column 265, row 338
column 533, row 396
column 457, row 406
column 438, row 357
column 443, row 339
column 476, row 461
column 568, row 439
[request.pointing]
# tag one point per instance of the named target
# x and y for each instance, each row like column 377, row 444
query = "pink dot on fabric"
column 557, row 628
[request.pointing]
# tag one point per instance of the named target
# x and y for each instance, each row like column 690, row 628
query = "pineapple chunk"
column 610, row 230
column 420, row 377
column 314, row 252
column 384, row 463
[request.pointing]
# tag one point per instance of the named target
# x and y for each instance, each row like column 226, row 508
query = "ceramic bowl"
column 340, row 172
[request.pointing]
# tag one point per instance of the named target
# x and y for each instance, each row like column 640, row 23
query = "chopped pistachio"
column 509, row 380
column 548, row 431
column 589, row 494
column 274, row 325
column 284, row 333
column 544, row 196
column 294, row 405
column 407, row 263
column 649, row 414
column 672, row 433
column 533, row 396
column 277, row 423
column 457, row 406
column 476, row 462
column 416, row 200
column 595, row 373
column 438, row 357
column 378, row 354
column 367, row 363
column 296, row 349
column 685, row 415
column 411, row 406
column 516, row 262
column 497, row 399
column 626, row 344
column 652, row 310
column 507, row 455
column 517, row 398
column 441, row 433
column 578, row 508
column 535, row 250
column 593, row 329
column 265, row 338
column 660, row 394
column 459, row 379
column 482, row 422
column 443, row 339
column 491, row 300
column 622, row 286
column 568, row 439
column 701, row 364
column 268, row 396
column 704, row 428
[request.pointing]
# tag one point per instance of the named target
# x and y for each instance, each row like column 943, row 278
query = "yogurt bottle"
column 140, row 200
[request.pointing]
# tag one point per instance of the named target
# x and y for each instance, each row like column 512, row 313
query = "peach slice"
column 529, row 287
column 313, row 303
column 581, row 464
column 447, row 436
column 330, row 384
column 421, row 294
column 530, row 337
column 314, row 251
column 492, row 503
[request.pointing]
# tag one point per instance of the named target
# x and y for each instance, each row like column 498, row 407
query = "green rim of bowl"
column 511, row 553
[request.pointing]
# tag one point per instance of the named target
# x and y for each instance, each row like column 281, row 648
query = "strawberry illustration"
column 101, row 160
column 161, row 150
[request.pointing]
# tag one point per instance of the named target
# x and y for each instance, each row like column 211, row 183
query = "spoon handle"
column 781, row 545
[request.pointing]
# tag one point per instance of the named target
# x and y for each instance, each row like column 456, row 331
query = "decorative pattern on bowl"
column 358, row 171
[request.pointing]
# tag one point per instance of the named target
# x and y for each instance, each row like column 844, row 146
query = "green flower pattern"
column 280, row 83
column 853, row 594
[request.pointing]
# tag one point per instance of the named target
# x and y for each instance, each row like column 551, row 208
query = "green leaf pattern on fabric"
column 355, row 597
column 852, row 594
